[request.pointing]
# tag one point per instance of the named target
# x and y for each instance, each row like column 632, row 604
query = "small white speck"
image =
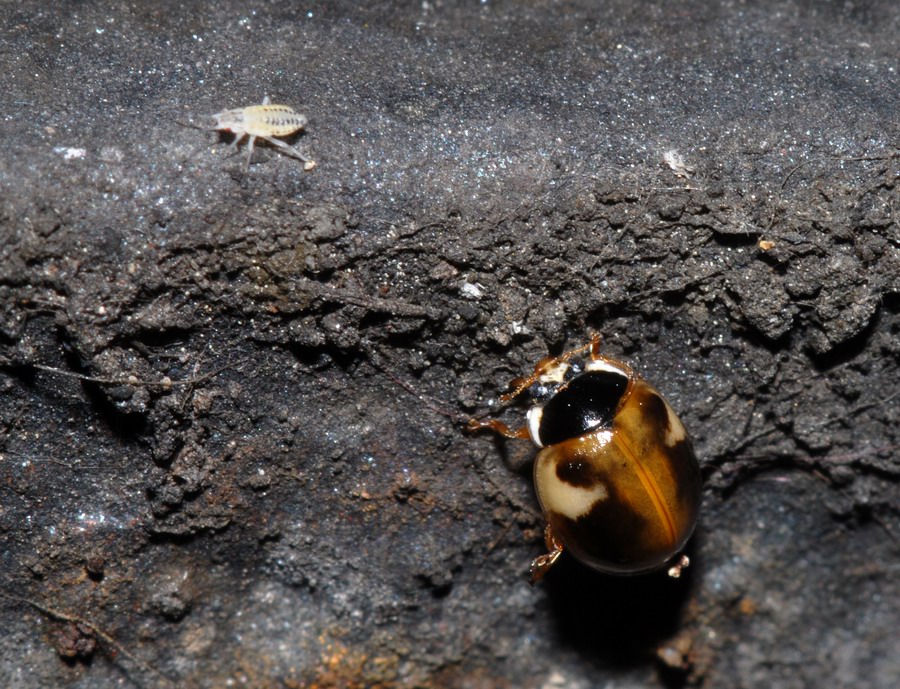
column 70, row 153
column 675, row 162
column 472, row 290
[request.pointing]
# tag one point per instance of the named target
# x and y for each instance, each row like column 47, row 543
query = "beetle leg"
column 676, row 569
column 594, row 347
column 544, row 562
column 499, row 427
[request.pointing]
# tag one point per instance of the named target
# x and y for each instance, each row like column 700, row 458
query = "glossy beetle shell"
column 617, row 478
column 623, row 498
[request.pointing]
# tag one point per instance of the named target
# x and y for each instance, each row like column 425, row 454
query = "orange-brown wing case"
column 623, row 499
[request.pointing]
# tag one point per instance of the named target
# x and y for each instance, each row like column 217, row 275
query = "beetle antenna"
column 520, row 385
column 375, row 360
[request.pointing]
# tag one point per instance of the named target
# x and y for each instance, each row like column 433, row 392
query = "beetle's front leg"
column 499, row 427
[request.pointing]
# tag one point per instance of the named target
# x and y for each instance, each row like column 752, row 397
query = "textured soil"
column 232, row 444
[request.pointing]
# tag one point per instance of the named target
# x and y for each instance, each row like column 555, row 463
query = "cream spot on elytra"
column 562, row 497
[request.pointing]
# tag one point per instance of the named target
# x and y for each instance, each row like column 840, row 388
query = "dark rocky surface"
column 231, row 449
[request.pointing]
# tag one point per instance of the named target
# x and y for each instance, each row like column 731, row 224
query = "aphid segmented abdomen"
column 273, row 120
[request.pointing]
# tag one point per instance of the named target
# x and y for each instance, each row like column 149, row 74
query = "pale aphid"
column 265, row 122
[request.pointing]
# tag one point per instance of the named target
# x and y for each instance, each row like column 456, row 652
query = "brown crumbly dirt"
column 231, row 423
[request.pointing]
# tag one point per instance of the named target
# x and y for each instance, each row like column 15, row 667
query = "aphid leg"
column 544, row 562
column 249, row 153
column 290, row 150
column 498, row 427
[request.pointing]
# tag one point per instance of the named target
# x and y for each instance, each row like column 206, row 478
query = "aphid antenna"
column 195, row 126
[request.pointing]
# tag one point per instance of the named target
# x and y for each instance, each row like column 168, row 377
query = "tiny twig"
column 102, row 635
column 864, row 159
column 165, row 383
column 856, row 410
column 345, row 296
column 791, row 173
column 749, row 440
column 852, row 456
column 511, row 500
column 375, row 360
column 497, row 541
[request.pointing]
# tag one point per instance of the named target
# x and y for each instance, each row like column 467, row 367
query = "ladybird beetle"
column 616, row 476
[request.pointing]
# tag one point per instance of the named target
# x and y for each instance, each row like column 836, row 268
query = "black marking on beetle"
column 578, row 472
column 686, row 472
column 656, row 414
column 587, row 403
